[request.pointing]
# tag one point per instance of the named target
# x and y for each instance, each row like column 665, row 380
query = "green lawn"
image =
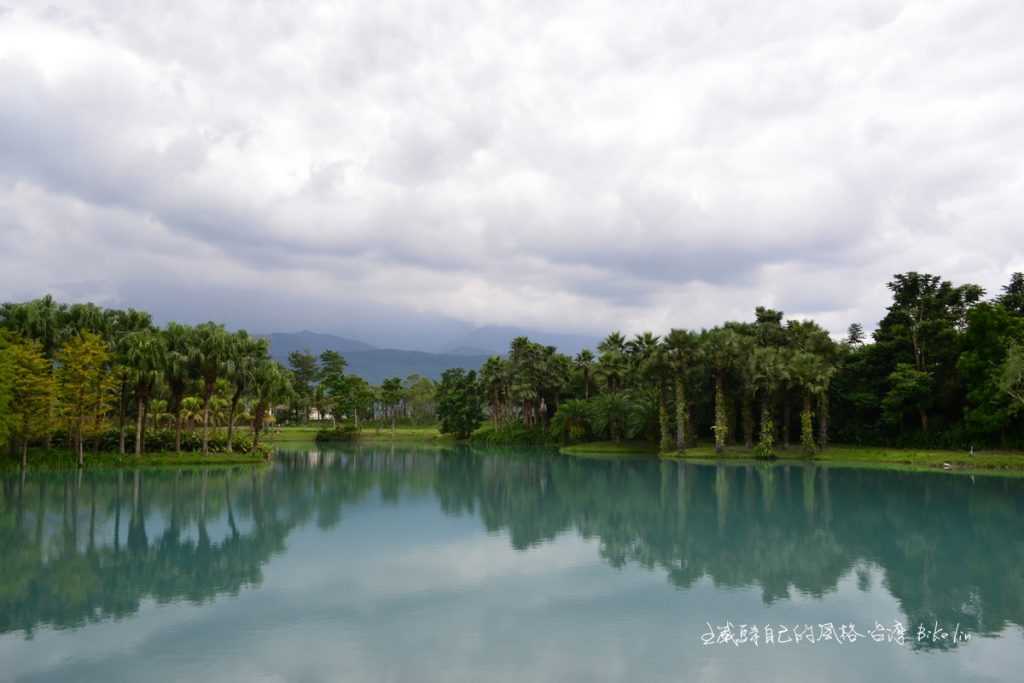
column 308, row 434
column 838, row 455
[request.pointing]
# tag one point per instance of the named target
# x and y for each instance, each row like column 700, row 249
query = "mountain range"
column 468, row 351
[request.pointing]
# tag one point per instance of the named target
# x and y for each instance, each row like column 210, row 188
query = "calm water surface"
column 381, row 563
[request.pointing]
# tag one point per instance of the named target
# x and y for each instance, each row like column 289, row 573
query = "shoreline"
column 898, row 459
column 64, row 459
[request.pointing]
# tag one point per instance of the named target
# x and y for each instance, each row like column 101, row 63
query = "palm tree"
column 683, row 349
column 611, row 363
column 721, row 347
column 811, row 373
column 244, row 352
column 145, row 354
column 269, row 384
column 493, row 378
column 584, row 362
column 177, row 372
column 571, row 420
column 768, row 374
column 208, row 353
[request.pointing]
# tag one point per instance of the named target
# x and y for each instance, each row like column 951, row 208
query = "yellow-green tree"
column 33, row 394
column 6, row 387
column 84, row 385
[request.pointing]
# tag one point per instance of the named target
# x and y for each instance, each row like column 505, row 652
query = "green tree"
column 244, row 353
column 334, row 382
column 84, row 383
column 177, row 372
column 683, row 350
column 459, row 403
column 909, row 388
column 145, row 355
column 722, row 347
column 269, row 384
column 305, row 374
column 1012, row 298
column 209, row 351
column 33, row 394
column 392, row 394
column 584, row 364
column 7, row 370
column 1011, row 378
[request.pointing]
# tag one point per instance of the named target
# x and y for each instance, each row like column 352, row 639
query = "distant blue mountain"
column 494, row 339
column 283, row 343
column 373, row 364
column 377, row 365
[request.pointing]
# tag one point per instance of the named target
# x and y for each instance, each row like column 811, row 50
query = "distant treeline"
column 945, row 368
column 96, row 379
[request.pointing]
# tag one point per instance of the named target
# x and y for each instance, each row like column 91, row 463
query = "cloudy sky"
column 407, row 170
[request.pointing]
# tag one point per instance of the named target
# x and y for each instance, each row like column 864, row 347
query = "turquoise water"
column 383, row 563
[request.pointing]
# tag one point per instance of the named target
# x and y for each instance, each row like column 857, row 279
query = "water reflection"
column 86, row 547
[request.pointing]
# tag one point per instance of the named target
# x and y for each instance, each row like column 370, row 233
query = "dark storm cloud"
column 564, row 166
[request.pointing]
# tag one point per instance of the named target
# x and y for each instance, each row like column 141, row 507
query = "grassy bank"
column 308, row 434
column 62, row 458
column 838, row 455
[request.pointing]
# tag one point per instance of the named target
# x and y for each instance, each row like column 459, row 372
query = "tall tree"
column 33, row 394
column 269, row 384
column 721, row 346
column 83, row 385
column 177, row 372
column 145, row 355
column 459, row 403
column 683, row 348
column 584, row 363
column 244, row 353
column 208, row 353
column 305, row 374
column 391, row 395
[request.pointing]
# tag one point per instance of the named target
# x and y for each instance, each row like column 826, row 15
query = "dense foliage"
column 95, row 379
column 945, row 368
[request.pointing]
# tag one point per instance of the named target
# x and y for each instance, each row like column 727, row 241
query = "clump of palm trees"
column 99, row 370
column 673, row 388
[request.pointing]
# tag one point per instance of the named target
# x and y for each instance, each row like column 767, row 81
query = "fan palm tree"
column 145, row 354
column 208, row 352
column 683, row 350
column 177, row 372
column 584, row 362
column 269, row 385
column 722, row 348
column 811, row 373
column 244, row 352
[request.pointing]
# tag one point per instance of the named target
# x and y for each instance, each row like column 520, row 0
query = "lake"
column 416, row 563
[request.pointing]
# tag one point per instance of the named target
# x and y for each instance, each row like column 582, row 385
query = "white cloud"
column 589, row 166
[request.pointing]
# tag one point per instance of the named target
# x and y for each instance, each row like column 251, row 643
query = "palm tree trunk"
column 786, row 418
column 177, row 430
column 666, row 428
column 721, row 417
column 767, row 429
column 231, row 418
column 806, row 428
column 680, row 414
column 206, row 422
column 823, row 421
column 747, row 410
column 120, row 417
column 138, row 426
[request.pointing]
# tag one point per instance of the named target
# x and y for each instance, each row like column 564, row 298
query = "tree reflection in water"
column 86, row 546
